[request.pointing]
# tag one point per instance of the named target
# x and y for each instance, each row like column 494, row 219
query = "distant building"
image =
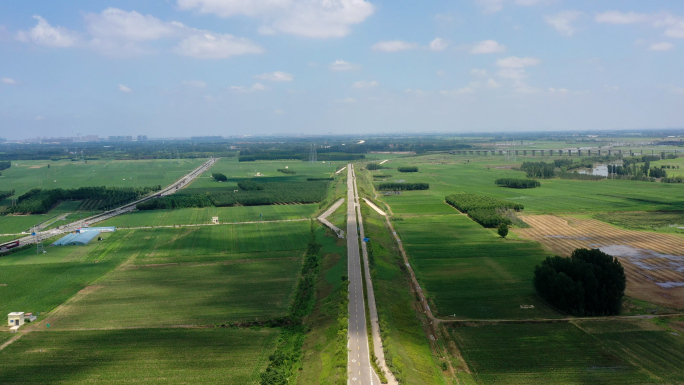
column 15, row 318
column 142, row 138
column 215, row 220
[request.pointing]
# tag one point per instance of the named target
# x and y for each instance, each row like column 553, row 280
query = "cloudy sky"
column 235, row 67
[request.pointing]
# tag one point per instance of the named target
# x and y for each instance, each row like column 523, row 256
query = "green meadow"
column 150, row 356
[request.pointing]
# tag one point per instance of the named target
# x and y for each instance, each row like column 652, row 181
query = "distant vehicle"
column 11, row 245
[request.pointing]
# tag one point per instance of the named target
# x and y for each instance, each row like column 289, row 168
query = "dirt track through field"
column 653, row 262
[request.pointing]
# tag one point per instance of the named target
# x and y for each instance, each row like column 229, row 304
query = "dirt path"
column 212, row 224
column 327, row 213
column 374, row 207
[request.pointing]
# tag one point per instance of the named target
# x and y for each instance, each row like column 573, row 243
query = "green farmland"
column 151, row 356
column 191, row 216
column 25, row 175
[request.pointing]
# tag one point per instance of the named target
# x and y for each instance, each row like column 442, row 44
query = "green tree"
column 502, row 230
column 219, row 177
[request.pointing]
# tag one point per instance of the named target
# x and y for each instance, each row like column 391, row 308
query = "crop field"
column 267, row 170
column 653, row 262
column 220, row 242
column 662, row 221
column 191, row 216
column 12, row 224
column 150, row 356
column 184, row 294
column 25, row 175
column 448, row 174
column 561, row 353
column 469, row 271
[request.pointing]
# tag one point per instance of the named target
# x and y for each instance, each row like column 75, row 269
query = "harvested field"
column 654, row 262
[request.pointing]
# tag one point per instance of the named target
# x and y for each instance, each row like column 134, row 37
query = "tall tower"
column 40, row 249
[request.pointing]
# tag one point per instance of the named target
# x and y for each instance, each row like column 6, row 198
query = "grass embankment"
column 325, row 347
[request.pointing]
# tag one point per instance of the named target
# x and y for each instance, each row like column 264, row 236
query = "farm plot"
column 150, row 356
column 468, row 271
column 653, row 262
column 183, row 294
column 191, row 216
column 546, row 353
column 26, row 175
column 217, row 243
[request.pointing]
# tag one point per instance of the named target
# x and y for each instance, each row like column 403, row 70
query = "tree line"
column 5, row 164
column 589, row 283
column 482, row 209
column 6, row 194
column 517, row 183
column 38, row 201
column 287, row 171
column 403, row 186
column 407, row 169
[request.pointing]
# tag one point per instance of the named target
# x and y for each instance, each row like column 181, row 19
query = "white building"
column 15, row 318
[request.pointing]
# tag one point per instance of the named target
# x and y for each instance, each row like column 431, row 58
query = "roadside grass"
column 324, row 352
column 549, row 353
column 151, row 356
column 406, row 345
column 469, row 271
column 105, row 172
column 201, row 294
column 191, row 216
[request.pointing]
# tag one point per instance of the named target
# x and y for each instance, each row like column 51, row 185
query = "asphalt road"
column 172, row 188
column 358, row 366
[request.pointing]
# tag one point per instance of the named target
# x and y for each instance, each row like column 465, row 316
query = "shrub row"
column 483, row 209
column 517, row 183
column 403, row 186
column 287, row 171
column 6, row 194
column 408, row 169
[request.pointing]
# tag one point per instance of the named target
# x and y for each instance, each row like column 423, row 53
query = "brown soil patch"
column 36, row 167
column 653, row 262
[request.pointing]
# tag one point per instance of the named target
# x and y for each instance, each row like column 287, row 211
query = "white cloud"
column 254, row 88
column 117, row 24
column 365, row 84
column 673, row 24
column 479, row 72
column 459, row 91
column 393, row 46
column 45, row 34
column 487, row 46
column 215, row 46
column 440, row 73
column 416, row 92
column 9, row 81
column 677, row 90
column 346, row 100
column 438, row 44
column 309, row 18
column 559, row 91
column 562, row 22
column 276, row 76
column 516, row 75
column 341, row 65
column 517, row 62
column 39, row 118
column 664, row 46
column 124, row 89
column 491, row 83
column 493, row 6
column 278, row 112
column 194, row 83
column 616, row 17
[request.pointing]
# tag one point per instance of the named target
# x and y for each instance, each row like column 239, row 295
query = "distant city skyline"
column 185, row 68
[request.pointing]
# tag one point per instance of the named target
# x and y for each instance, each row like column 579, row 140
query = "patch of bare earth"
column 653, row 262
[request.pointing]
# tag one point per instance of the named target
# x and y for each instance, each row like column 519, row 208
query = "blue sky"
column 170, row 68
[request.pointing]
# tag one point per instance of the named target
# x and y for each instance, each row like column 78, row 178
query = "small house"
column 215, row 220
column 15, row 318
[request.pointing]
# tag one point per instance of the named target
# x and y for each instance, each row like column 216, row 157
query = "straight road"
column 358, row 365
column 172, row 188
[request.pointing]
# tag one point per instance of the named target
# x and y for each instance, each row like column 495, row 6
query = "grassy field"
column 662, row 221
column 404, row 336
column 267, row 170
column 150, row 356
column 448, row 174
column 25, row 175
column 185, row 294
column 610, row 353
column 203, row 215
column 471, row 272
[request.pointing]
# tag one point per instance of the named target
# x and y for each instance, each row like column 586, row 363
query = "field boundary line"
column 327, row 213
column 210, row 224
column 374, row 207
